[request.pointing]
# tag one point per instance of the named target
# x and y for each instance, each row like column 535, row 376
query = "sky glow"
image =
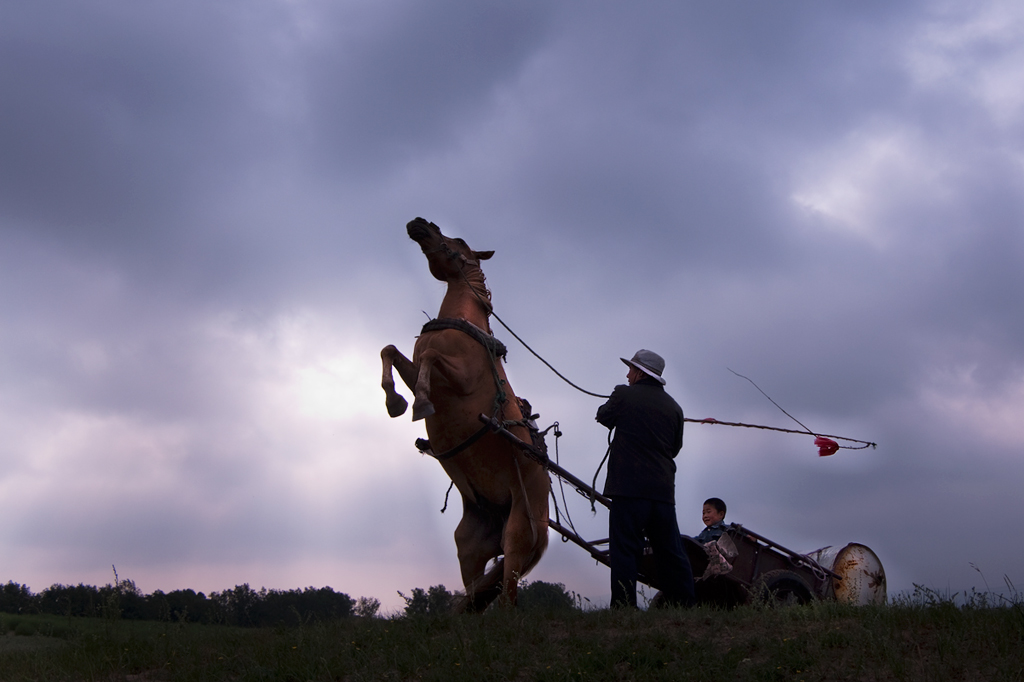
column 203, row 250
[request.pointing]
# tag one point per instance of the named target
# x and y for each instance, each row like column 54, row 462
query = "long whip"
column 826, row 443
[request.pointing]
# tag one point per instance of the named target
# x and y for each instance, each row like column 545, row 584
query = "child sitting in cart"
column 714, row 518
column 719, row 547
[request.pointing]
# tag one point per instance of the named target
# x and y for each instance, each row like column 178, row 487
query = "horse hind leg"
column 525, row 539
column 478, row 539
column 482, row 591
column 391, row 357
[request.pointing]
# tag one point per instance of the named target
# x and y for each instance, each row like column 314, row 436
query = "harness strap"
column 495, row 347
column 496, row 351
column 423, row 445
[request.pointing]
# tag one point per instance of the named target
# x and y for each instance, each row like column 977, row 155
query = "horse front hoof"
column 396, row 405
column 422, row 410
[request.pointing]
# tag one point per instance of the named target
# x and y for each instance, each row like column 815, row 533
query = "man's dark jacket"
column 648, row 435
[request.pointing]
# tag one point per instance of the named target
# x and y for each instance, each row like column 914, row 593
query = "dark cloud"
column 202, row 249
column 118, row 116
column 385, row 87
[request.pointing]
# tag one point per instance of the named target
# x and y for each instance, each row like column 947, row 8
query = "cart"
column 756, row 568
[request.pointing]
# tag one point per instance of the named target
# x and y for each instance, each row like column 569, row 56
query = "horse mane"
column 474, row 276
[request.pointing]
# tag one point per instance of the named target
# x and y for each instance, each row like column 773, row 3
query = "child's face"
column 711, row 516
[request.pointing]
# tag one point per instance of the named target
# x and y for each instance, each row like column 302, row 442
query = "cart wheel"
column 783, row 588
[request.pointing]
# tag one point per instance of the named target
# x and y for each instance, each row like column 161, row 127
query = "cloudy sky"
column 203, row 249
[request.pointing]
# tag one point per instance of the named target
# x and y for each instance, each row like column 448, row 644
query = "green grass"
column 822, row 641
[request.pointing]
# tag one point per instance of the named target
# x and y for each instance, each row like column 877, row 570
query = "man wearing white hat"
column 641, row 481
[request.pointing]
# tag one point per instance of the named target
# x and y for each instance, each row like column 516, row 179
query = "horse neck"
column 468, row 302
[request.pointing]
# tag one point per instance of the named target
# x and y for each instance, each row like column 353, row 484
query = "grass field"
column 911, row 640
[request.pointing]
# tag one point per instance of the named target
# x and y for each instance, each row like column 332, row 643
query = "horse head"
column 449, row 257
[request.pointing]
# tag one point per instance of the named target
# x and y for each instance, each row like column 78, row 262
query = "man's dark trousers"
column 629, row 520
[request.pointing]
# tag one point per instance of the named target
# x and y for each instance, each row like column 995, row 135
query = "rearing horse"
column 456, row 374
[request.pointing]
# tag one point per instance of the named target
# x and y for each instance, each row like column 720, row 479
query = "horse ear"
column 482, row 255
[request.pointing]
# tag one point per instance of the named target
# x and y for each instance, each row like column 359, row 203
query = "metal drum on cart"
column 861, row 576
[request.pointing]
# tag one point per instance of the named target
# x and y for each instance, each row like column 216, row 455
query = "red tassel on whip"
column 826, row 446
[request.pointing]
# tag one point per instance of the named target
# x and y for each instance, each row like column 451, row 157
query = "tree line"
column 242, row 606
column 245, row 607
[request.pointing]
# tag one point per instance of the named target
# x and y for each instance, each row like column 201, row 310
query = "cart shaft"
column 541, row 458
